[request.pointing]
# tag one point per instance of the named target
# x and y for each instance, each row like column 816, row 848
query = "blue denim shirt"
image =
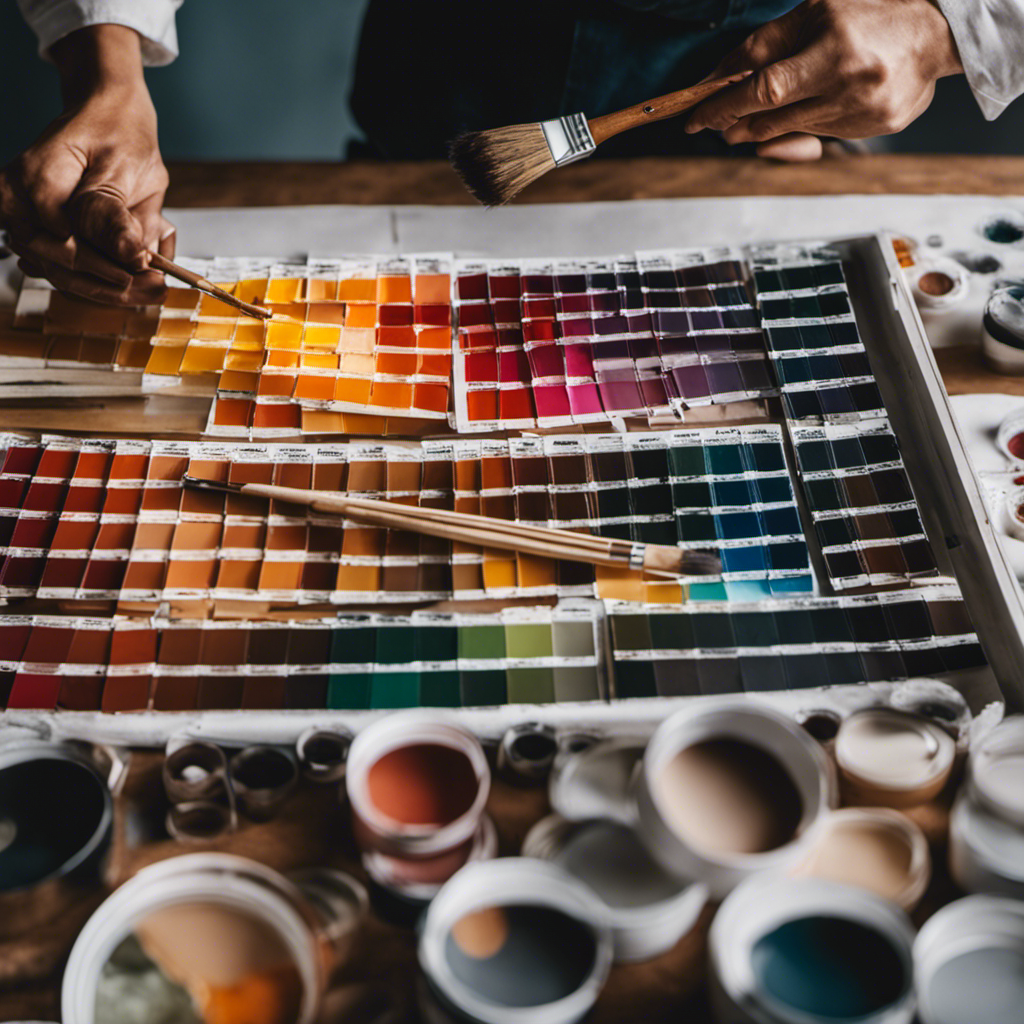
column 429, row 69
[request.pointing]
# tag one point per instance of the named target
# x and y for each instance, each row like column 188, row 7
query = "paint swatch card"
column 816, row 350
column 516, row 656
column 865, row 515
column 792, row 644
column 553, row 343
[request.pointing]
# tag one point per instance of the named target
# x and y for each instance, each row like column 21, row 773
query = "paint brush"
column 158, row 262
column 499, row 163
column 485, row 531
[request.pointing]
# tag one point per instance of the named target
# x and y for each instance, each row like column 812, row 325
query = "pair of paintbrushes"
column 497, row 164
column 485, row 531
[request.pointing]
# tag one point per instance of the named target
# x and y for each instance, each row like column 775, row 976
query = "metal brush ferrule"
column 568, row 138
column 636, row 556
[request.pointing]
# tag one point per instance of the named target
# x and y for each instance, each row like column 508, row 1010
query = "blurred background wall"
column 269, row 80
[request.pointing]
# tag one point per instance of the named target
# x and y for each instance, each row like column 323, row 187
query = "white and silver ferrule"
column 568, row 138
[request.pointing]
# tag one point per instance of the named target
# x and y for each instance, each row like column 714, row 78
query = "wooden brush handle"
column 659, row 108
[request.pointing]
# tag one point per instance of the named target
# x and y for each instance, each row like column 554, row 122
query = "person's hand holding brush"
column 851, row 69
column 82, row 205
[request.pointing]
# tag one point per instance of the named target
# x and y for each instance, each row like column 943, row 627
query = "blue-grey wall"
column 269, row 79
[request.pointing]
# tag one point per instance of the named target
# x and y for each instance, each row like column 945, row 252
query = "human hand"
column 82, row 205
column 846, row 68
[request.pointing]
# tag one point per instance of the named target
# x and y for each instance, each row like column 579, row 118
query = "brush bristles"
column 497, row 164
column 699, row 563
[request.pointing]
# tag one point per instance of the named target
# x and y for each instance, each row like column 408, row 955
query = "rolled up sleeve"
column 990, row 37
column 152, row 19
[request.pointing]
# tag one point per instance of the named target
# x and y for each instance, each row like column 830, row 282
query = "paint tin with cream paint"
column 728, row 791
column 986, row 831
column 648, row 908
column 875, row 848
column 806, row 950
column 892, row 758
column 515, row 941
column 969, row 962
column 418, row 784
column 222, row 927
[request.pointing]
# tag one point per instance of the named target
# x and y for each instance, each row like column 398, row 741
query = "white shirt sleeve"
column 990, row 37
column 152, row 19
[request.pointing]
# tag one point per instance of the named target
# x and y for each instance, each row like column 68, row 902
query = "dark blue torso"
column 431, row 68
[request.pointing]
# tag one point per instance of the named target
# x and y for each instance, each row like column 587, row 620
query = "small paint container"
column 210, row 934
column 875, row 848
column 888, row 757
column 1002, row 330
column 986, row 837
column 649, row 910
column 56, row 827
column 262, row 779
column 731, row 790
column 527, row 753
column 515, row 941
column 322, row 753
column 418, row 784
column 969, row 962
column 939, row 286
column 1010, row 435
column 806, row 950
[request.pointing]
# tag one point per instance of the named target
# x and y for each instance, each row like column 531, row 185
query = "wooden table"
column 313, row 827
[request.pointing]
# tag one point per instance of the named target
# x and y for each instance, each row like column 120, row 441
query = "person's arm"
column 82, row 205
column 851, row 69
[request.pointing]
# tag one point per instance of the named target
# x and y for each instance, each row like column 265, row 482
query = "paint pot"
column 731, row 790
column 322, row 753
column 986, row 829
column 892, row 758
column 515, row 941
column 875, row 848
column 996, row 771
column 969, row 962
column 1010, row 436
column 194, row 771
column 56, row 826
column 649, row 910
column 418, row 784
column 262, row 779
column 1002, row 330
column 939, row 286
column 527, row 753
column 806, row 951
column 598, row 781
column 241, row 940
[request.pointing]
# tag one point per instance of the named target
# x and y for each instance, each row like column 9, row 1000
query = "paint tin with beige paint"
column 730, row 790
column 892, row 758
column 875, row 848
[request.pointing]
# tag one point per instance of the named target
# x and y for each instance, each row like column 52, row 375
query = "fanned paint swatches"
column 572, row 342
column 865, row 515
column 794, row 644
column 516, row 656
column 109, row 520
column 816, row 349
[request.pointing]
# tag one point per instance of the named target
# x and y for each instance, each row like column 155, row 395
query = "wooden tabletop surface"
column 30, row 969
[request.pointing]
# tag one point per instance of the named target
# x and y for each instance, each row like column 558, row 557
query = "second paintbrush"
column 486, row 531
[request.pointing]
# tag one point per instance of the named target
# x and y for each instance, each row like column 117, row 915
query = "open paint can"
column 888, row 757
column 969, row 962
column 986, row 831
column 939, row 285
column 418, row 784
column 56, row 824
column 875, row 848
column 1002, row 331
column 731, row 790
column 515, row 941
column 806, row 951
column 648, row 908
column 322, row 752
column 212, row 937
